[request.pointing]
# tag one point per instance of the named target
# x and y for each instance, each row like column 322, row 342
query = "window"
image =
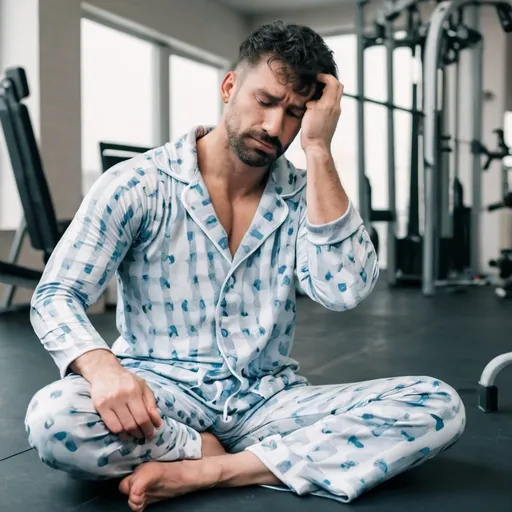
column 195, row 95
column 117, row 93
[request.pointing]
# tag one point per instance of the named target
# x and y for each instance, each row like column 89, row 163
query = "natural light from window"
column 117, row 89
column 195, row 95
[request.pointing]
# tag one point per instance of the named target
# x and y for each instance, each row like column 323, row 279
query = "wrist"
column 319, row 155
column 92, row 363
column 318, row 152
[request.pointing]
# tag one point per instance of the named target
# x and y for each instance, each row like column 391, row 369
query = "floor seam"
column 16, row 454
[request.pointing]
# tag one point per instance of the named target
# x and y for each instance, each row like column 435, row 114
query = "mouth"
column 264, row 144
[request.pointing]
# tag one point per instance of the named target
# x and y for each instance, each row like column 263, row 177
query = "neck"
column 218, row 163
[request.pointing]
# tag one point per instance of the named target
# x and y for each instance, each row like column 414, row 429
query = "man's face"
column 262, row 115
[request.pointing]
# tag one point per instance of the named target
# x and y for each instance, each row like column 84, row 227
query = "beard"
column 241, row 141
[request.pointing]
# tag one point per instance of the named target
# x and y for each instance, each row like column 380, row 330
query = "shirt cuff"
column 337, row 230
column 63, row 359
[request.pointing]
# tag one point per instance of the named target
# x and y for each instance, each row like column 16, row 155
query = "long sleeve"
column 84, row 261
column 337, row 264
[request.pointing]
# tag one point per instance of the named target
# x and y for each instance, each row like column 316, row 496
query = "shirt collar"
column 179, row 160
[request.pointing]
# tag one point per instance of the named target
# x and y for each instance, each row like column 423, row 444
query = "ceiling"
column 268, row 6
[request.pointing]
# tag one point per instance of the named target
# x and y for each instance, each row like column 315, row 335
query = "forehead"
column 274, row 76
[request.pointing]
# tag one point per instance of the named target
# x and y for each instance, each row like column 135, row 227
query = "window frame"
column 163, row 49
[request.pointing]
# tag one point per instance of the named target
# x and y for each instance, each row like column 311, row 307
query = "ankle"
column 243, row 469
column 211, row 474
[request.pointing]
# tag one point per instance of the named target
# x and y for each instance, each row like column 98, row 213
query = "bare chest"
column 235, row 216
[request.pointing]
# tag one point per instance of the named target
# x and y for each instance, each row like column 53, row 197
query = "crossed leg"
column 338, row 441
column 330, row 441
column 68, row 433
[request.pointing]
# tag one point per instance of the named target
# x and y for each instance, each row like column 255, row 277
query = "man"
column 209, row 236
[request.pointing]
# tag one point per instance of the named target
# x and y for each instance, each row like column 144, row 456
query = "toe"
column 137, row 505
column 125, row 485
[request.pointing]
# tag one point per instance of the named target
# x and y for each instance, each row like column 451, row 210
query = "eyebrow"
column 277, row 99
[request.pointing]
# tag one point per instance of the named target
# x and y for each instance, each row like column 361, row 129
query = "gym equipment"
column 449, row 256
column 436, row 174
column 113, row 153
column 404, row 254
column 488, row 391
column 16, row 275
column 504, row 262
column 40, row 221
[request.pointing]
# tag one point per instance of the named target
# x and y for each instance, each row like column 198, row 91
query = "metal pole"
column 445, row 174
column 364, row 207
column 476, row 104
column 432, row 165
column 391, row 241
column 431, row 139
column 456, row 115
column 14, row 254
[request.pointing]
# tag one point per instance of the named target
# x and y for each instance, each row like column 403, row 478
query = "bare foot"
column 211, row 446
column 157, row 481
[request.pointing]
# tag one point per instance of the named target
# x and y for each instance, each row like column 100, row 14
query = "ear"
column 227, row 86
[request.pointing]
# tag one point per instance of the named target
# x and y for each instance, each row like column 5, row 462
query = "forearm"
column 94, row 363
column 326, row 198
column 60, row 322
column 336, row 261
column 85, row 260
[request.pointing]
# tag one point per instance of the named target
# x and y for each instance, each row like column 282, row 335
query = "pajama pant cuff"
column 278, row 461
column 191, row 450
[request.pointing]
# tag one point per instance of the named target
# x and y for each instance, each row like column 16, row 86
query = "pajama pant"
column 334, row 441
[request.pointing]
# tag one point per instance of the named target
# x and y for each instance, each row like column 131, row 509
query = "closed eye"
column 293, row 113
column 264, row 103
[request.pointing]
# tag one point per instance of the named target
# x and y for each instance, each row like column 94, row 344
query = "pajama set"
column 211, row 333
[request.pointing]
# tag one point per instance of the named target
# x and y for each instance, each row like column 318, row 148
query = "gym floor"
column 394, row 332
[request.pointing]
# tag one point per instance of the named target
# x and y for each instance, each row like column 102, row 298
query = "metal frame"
column 14, row 254
column 390, row 75
column 477, row 121
column 16, row 275
column 364, row 207
column 432, row 159
column 488, row 392
column 386, row 21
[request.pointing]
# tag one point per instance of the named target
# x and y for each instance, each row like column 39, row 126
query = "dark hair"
column 302, row 51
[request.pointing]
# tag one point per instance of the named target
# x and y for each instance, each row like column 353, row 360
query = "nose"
column 273, row 124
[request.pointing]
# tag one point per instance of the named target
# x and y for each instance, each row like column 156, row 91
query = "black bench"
column 39, row 218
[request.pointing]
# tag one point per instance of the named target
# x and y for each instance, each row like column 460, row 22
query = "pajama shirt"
column 211, row 333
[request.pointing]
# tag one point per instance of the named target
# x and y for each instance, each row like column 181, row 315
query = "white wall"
column 332, row 18
column 203, row 24
column 17, row 47
column 43, row 36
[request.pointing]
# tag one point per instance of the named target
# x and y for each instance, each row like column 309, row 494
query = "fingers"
column 111, row 421
column 149, row 402
column 141, row 416
column 128, row 421
column 333, row 90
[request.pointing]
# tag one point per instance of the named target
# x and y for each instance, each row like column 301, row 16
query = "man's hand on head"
column 322, row 115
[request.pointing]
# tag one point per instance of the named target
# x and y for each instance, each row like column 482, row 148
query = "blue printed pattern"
column 333, row 441
column 187, row 308
column 211, row 332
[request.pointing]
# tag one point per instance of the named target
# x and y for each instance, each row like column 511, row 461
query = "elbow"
column 348, row 290
column 40, row 300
